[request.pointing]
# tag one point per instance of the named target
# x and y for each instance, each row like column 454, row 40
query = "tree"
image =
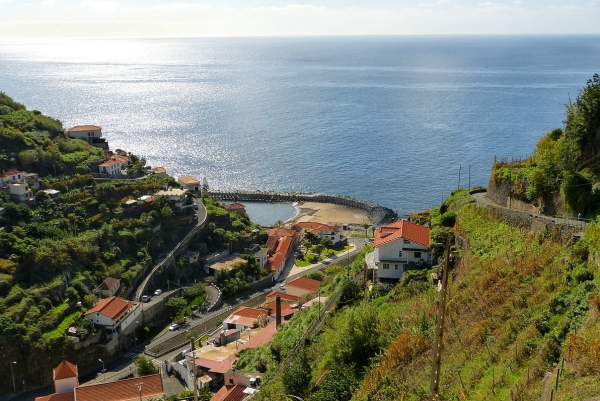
column 144, row 366
column 327, row 242
column 166, row 212
column 72, row 295
column 351, row 291
column 319, row 248
column 176, row 304
column 366, row 227
column 296, row 373
column 194, row 291
column 205, row 185
column 310, row 237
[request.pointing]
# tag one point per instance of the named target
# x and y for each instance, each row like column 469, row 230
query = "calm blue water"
column 388, row 119
column 266, row 214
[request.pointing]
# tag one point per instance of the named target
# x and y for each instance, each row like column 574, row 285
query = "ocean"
column 388, row 119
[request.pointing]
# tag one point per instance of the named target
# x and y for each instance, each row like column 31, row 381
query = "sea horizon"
column 386, row 118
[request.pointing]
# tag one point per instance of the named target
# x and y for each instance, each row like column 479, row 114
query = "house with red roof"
column 281, row 244
column 399, row 244
column 110, row 167
column 67, row 388
column 12, row 176
column 321, row 231
column 92, row 134
column 245, row 317
column 301, row 286
column 114, row 313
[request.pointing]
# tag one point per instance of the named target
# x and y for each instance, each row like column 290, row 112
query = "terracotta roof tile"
column 109, row 284
column 284, row 296
column 122, row 390
column 305, row 283
column 12, row 172
column 64, row 370
column 112, row 307
column 188, row 180
column 70, row 396
column 401, row 229
column 84, row 128
column 108, row 163
column 230, row 393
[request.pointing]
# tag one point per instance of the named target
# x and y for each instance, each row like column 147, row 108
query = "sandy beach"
column 330, row 213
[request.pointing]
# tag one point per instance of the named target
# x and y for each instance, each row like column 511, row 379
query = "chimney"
column 277, row 311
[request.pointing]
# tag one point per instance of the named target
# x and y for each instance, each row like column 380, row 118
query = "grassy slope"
column 514, row 300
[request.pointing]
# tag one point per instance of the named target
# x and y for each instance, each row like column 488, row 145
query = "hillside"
column 55, row 252
column 562, row 177
column 518, row 303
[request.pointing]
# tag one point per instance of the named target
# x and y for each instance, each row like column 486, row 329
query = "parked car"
column 282, row 287
column 173, row 327
column 195, row 206
column 195, row 217
column 145, row 298
column 158, row 292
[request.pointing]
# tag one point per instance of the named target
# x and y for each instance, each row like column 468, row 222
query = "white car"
column 282, row 287
column 158, row 292
column 173, row 327
column 145, row 298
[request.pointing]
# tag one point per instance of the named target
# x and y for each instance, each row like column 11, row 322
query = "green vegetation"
column 566, row 160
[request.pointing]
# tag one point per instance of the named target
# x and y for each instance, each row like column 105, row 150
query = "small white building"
column 110, row 167
column 189, row 183
column 65, row 377
column 174, row 195
column 85, row 132
column 11, row 177
column 399, row 244
column 19, row 192
column 321, row 231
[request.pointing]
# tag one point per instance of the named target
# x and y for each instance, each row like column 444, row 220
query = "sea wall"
column 377, row 214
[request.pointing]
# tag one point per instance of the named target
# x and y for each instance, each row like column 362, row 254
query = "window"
column 386, row 266
column 406, row 242
column 417, row 255
column 396, row 267
column 230, row 381
column 399, row 254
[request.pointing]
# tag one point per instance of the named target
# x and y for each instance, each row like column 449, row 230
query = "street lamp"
column 13, row 376
column 103, row 370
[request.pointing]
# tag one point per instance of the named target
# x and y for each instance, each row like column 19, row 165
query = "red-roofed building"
column 11, row 177
column 281, row 243
column 230, row 393
column 66, row 385
column 114, row 313
column 398, row 244
column 301, row 286
column 245, row 317
column 320, row 230
column 236, row 207
column 287, row 300
column 110, row 167
column 92, row 134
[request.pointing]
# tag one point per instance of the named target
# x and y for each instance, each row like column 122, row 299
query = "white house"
column 114, row 313
column 11, row 177
column 322, row 230
column 19, row 192
column 174, row 195
column 189, row 183
column 112, row 167
column 92, row 134
column 85, row 132
column 398, row 244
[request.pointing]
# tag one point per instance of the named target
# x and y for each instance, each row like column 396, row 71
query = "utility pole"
column 439, row 332
column 469, row 176
column 192, row 343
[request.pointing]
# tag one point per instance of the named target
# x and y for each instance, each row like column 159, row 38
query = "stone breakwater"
column 377, row 214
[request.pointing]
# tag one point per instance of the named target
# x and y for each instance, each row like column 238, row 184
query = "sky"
column 162, row 18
